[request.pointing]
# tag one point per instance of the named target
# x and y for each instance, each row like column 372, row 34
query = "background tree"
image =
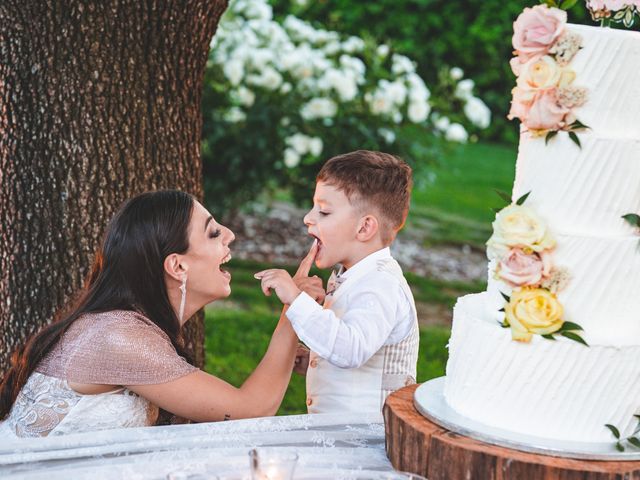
column 99, row 101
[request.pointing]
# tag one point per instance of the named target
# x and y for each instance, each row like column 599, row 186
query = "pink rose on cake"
column 536, row 29
column 518, row 226
column 517, row 268
column 546, row 113
column 533, row 311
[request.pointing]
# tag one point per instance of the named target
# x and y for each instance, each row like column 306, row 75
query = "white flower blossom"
column 456, row 133
column 234, row 71
column 476, row 111
column 269, row 78
column 464, row 89
column 442, row 123
column 418, row 111
column 382, row 50
column 299, row 142
column 291, row 158
column 319, row 108
column 456, row 73
column 388, row 135
column 235, row 115
column 315, row 146
column 401, row 64
column 353, row 44
column 244, row 96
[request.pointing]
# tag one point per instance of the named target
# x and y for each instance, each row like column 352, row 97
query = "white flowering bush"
column 280, row 98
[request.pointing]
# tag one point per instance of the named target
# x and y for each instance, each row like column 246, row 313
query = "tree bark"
column 99, row 101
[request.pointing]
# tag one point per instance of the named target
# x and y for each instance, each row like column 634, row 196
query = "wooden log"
column 415, row 444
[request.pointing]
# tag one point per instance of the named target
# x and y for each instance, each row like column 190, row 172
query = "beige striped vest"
column 331, row 389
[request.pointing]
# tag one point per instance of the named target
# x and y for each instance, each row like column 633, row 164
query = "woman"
column 119, row 355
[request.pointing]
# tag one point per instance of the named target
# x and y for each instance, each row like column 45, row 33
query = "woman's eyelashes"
column 215, row 233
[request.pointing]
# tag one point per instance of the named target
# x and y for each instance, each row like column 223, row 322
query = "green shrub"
column 473, row 34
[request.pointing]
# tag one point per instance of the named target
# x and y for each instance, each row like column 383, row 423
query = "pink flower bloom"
column 545, row 112
column 520, row 104
column 518, row 269
column 535, row 30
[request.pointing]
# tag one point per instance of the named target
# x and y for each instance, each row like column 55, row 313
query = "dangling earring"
column 183, row 300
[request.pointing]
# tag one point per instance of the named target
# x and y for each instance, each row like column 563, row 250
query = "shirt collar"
column 367, row 263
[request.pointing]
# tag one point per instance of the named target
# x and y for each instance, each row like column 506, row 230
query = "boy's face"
column 334, row 222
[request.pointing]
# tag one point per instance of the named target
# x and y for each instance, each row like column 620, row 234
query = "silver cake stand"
column 429, row 401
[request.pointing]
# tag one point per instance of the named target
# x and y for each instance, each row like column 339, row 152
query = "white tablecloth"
column 329, row 446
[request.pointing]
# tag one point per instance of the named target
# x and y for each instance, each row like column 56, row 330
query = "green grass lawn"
column 454, row 208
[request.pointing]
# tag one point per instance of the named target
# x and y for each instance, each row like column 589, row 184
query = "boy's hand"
column 312, row 286
column 301, row 363
column 281, row 281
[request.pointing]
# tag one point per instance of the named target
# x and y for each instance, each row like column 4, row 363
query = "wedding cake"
column 552, row 348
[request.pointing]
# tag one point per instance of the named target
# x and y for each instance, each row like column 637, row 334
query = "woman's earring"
column 183, row 300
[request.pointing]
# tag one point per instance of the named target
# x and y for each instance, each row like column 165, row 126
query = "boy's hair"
column 373, row 179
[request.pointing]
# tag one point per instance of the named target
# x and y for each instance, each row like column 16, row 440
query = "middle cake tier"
column 582, row 191
column 601, row 292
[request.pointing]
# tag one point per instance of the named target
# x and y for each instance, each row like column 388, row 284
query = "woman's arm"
column 202, row 397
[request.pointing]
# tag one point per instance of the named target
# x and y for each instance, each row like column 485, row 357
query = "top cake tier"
column 608, row 65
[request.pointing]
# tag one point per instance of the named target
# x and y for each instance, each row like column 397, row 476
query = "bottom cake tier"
column 555, row 389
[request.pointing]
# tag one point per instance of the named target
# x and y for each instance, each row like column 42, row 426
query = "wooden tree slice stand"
column 415, row 444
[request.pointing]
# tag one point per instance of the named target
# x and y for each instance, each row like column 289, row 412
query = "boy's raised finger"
column 307, row 261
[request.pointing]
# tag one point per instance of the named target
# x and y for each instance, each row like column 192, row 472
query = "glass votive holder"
column 194, row 474
column 269, row 465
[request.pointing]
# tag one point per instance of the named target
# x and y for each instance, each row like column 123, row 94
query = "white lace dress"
column 112, row 348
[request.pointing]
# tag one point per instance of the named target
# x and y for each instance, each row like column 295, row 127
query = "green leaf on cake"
column 496, row 209
column 575, row 337
column 614, row 430
column 619, row 447
column 568, row 326
column 575, row 139
column 567, row 4
column 633, row 219
column 503, row 195
column 578, row 125
column 549, row 136
column 523, row 198
column 506, row 297
column 549, row 336
column 635, row 441
column 637, row 415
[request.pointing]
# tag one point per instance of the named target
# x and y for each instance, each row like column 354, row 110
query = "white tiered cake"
column 556, row 387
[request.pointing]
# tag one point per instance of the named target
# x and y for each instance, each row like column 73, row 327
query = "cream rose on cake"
column 518, row 226
column 533, row 311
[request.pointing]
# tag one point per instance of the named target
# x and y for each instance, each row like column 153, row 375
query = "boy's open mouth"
column 319, row 241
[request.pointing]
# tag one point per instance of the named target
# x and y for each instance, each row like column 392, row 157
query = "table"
column 329, row 446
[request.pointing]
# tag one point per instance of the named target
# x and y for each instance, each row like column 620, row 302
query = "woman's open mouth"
column 222, row 262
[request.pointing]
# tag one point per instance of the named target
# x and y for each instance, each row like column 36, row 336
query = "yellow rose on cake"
column 518, row 226
column 533, row 311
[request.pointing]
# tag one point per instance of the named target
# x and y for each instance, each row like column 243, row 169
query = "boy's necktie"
column 335, row 280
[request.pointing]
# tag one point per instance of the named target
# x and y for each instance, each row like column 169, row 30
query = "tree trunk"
column 99, row 101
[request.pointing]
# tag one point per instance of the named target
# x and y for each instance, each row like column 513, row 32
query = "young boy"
column 364, row 341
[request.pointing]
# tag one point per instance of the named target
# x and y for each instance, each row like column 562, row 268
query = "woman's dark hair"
column 127, row 274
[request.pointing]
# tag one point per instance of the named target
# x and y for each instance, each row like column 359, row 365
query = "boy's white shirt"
column 378, row 314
